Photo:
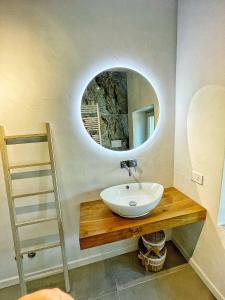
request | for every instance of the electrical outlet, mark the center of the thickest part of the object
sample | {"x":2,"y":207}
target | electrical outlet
{"x":197,"y":177}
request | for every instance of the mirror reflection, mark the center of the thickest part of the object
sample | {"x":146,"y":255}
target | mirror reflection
{"x":120,"y":109}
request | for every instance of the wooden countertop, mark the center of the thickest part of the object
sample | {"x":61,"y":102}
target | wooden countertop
{"x":99,"y":225}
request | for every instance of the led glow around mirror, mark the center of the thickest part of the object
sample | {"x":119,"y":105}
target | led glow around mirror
{"x":119,"y":109}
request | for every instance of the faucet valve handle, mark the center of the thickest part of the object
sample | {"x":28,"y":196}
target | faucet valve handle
{"x":133,"y":163}
{"x":123,"y":164}
{"x":128,"y":163}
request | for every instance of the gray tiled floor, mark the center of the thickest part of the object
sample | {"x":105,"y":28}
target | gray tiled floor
{"x":183,"y":284}
{"x":123,"y":277}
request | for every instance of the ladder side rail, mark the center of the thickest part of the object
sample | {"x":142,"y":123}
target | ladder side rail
{"x":58,"y":207}
{"x":15,"y":232}
{"x":99,"y":125}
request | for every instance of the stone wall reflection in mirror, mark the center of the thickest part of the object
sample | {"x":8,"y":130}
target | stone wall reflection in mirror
{"x":120,"y":109}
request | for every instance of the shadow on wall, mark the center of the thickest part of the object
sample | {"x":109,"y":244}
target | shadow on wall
{"x":190,"y":233}
{"x":206,"y":141}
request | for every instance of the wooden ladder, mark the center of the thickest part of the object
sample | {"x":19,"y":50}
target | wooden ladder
{"x":33,"y":245}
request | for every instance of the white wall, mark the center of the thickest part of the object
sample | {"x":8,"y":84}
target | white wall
{"x":221,"y":214}
{"x":200,"y":129}
{"x":49,"y":50}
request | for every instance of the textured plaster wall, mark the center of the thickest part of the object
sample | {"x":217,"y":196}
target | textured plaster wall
{"x":200,"y":130}
{"x":49,"y":51}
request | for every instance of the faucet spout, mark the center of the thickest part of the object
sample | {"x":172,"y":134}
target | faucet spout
{"x":137,"y":180}
{"x":128,"y":169}
{"x":128,"y":164}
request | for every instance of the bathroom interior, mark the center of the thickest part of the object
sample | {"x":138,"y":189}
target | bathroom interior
{"x":112,"y":137}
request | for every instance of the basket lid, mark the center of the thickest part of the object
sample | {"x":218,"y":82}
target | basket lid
{"x":154,"y":237}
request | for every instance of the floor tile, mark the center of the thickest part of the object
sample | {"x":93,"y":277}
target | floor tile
{"x":10,"y":293}
{"x":181,"y":285}
{"x":174,"y":257}
{"x":111,"y":296}
{"x":128,"y":270}
{"x":184,"y":284}
{"x":92,"y":281}
{"x":47,"y":282}
{"x":145,"y":291}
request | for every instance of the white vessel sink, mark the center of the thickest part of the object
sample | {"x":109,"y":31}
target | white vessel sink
{"x":133,"y":200}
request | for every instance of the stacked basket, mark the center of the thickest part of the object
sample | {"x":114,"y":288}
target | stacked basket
{"x":152,"y":251}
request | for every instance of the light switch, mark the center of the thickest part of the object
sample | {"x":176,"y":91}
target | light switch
{"x":197,"y":177}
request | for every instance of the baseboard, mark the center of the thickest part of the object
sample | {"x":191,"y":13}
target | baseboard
{"x":217,"y":294}
{"x":71,"y":265}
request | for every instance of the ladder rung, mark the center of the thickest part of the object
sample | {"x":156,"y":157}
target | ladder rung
{"x":27,"y":138}
{"x":41,"y":247}
{"x":39,"y":243}
{"x":30,"y":165}
{"x":20,"y":210}
{"x":32,"y":194}
{"x":92,"y":128}
{"x":29,"y":174}
{"x":25,"y":223}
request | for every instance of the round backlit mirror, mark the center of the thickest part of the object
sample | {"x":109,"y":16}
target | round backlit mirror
{"x":120,"y":109}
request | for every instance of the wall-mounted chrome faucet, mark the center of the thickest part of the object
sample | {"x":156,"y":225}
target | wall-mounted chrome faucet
{"x":128,"y":164}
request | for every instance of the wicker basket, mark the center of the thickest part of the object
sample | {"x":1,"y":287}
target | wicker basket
{"x":150,"y":260}
{"x":155,"y":241}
